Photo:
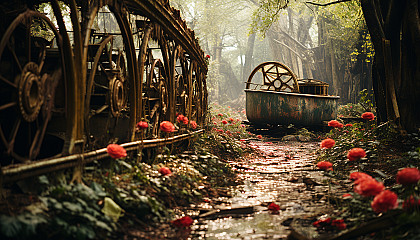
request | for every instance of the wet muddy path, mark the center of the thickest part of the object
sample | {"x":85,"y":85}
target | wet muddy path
{"x":284,"y":173}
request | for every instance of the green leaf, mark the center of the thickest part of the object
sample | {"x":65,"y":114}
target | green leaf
{"x":10,"y":226}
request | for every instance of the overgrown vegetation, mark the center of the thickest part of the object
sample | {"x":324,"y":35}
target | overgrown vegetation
{"x":387,"y":153}
{"x":121,"y":194}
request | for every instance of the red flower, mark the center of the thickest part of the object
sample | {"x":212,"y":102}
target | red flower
{"x":339,"y":223}
{"x":224,"y":122}
{"x":167,"y":126}
{"x":242,"y":140}
{"x":259,"y":136}
{"x":340,"y":125}
{"x":322,"y":222}
{"x":220,"y":115}
{"x":207,"y":56}
{"x":334,"y":123}
{"x":185,"y":120}
{"x":356,"y":176}
{"x":193,"y":124}
{"x":180,"y":118}
{"x":411,"y":203}
{"x":369,"y":187}
{"x":116,"y":151}
{"x":165,"y":171}
{"x":368,"y":116}
{"x":141,"y":125}
{"x":408,"y":176}
{"x":356,"y":154}
{"x":274,"y":208}
{"x":384,"y":201}
{"x":327,"y":143}
{"x":349,"y":125}
{"x":231,"y":119}
{"x":347,"y":195}
{"x":183,"y":222}
{"x":324,"y":165}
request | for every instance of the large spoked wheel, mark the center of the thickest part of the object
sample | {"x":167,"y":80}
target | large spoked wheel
{"x":110,"y":106}
{"x":273,"y":76}
{"x":156,"y":92}
{"x":30,"y":70}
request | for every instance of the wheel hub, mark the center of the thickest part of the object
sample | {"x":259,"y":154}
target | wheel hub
{"x":30,"y":95}
{"x":117,"y":97}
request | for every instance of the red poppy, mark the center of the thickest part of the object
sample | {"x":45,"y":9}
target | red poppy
{"x":193,"y":124}
{"x":369,"y":187}
{"x":324,"y":165}
{"x":339,"y":223}
{"x":384,"y":201}
{"x":207,"y":56}
{"x":167,"y":126}
{"x":183,"y":222}
{"x":368,"y":116}
{"x":116,"y":151}
{"x":359,"y":175}
{"x":231,"y":119}
{"x":327,"y":143}
{"x":259,"y":136}
{"x":185,"y":120}
{"x":180,"y":118}
{"x":408,"y":176}
{"x":274,"y":208}
{"x":334,"y":123}
{"x":356,"y":154}
{"x":141,"y":125}
{"x":220,"y":115}
{"x":349,"y":125}
{"x":165,"y":171}
{"x":322,"y":222}
{"x":224,"y":122}
{"x":411,"y":203}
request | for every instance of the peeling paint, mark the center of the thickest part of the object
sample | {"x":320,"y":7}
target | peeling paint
{"x":269,"y":107}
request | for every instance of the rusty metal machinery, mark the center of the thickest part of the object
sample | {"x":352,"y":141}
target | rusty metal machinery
{"x":77,"y":75}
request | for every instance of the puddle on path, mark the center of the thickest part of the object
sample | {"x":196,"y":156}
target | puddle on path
{"x":285,"y":174}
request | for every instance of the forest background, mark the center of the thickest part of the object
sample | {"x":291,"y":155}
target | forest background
{"x":328,"y":43}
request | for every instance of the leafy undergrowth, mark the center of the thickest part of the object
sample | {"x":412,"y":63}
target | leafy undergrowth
{"x":124,"y":198}
{"x":377,"y":196}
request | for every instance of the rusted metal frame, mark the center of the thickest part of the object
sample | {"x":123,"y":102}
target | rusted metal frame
{"x":158,"y":13}
{"x":121,"y":16}
{"x":141,"y":60}
{"x":70,"y":81}
{"x":190,"y":88}
{"x":79,"y":81}
{"x":91,"y":78}
{"x":163,"y":43}
{"x":18,"y":172}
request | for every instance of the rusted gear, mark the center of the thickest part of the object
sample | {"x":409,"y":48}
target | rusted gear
{"x":30,"y":92}
{"x":117,"y":96}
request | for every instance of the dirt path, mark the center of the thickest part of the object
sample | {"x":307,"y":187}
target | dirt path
{"x":283,"y":173}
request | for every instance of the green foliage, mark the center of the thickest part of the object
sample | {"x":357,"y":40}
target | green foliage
{"x":65,"y":212}
{"x":365,"y":104}
{"x":266,"y":14}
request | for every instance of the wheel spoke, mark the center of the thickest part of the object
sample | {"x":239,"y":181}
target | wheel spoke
{"x":7,"y":81}
{"x":15,"y":57}
{"x":13,"y":135}
{"x":28,"y":38}
{"x":7,"y":105}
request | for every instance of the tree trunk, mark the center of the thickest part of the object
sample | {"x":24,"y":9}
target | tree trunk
{"x":248,"y":57}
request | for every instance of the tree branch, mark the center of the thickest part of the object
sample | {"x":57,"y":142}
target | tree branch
{"x":330,"y":3}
